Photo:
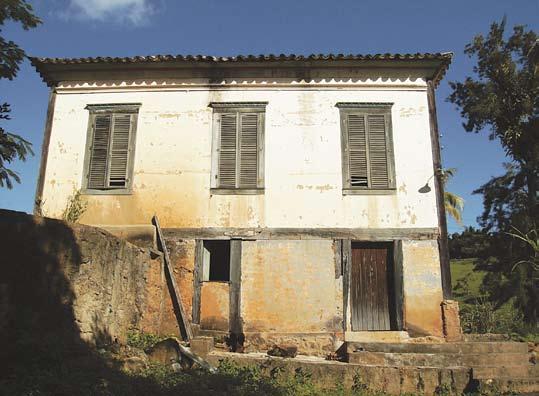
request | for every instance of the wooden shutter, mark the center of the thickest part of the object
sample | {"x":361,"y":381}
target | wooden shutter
{"x":357,"y":151}
{"x":248,"y":150}
{"x":110,"y":151}
{"x":97,"y":174}
{"x":119,"y":154}
{"x":379,"y":175}
{"x":227,"y":151}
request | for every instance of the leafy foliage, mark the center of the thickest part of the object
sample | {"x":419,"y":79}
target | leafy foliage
{"x":470,"y":243}
{"x":12,"y":146}
{"x":532,"y":239}
{"x":504,"y":95}
{"x":503,"y":98}
{"x":11,"y":55}
{"x":483,"y":317}
{"x":142,"y":340}
{"x":453,"y":203}
{"x":76,"y":206}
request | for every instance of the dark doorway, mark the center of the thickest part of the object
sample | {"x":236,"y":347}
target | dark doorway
{"x":217,"y":260}
{"x":372,"y":287}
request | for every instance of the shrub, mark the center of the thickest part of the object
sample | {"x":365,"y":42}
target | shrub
{"x":142,"y":340}
{"x":75,"y":208}
{"x":483,"y":317}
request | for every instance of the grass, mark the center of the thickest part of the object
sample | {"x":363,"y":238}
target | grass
{"x":478,"y":315}
{"x":466,"y":280}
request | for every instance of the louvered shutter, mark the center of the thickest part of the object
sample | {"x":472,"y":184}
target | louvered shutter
{"x":119,"y":153}
{"x":248,"y":150}
{"x":97,"y":174}
{"x":227,"y":150}
{"x":379,"y":175}
{"x":357,"y":151}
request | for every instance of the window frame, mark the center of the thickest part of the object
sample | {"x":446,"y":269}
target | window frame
{"x":105,"y":109}
{"x":206,"y":262}
{"x":237,"y":107}
{"x":366,"y":109}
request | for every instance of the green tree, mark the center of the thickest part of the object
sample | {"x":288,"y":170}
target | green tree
{"x":12,"y":146}
{"x":454,"y":204}
{"x":502,"y":98}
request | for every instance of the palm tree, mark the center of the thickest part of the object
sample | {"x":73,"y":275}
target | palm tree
{"x":453,"y":203}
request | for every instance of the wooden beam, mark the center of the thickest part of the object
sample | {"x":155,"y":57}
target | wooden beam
{"x":439,"y":192}
{"x":347,"y":265}
{"x":173,"y":287}
{"x":197,"y":280}
{"x":38,"y":200}
{"x":398,"y":281}
{"x":236,"y":326}
{"x":357,"y":234}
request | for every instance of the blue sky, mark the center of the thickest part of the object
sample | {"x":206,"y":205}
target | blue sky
{"x":78,"y":28}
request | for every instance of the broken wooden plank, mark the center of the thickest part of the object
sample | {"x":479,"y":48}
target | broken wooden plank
{"x":175,"y":292}
{"x":195,"y":358}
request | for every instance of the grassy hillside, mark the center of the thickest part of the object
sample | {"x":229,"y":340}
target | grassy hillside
{"x":466,"y":280}
{"x":477,"y":314}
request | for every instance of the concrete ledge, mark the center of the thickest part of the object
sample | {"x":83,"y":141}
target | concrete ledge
{"x":142,"y":235}
{"x":376,"y":336}
{"x":392,"y":380}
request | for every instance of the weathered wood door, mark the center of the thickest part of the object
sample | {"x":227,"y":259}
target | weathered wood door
{"x":371,"y":287}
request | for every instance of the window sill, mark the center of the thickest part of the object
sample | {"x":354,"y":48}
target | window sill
{"x":119,"y":191}
{"x":369,"y":191}
{"x":236,"y":191}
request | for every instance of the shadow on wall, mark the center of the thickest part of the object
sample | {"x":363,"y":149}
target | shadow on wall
{"x":41,"y":351}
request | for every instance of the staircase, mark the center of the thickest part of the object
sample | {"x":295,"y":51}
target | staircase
{"x":500,"y":365}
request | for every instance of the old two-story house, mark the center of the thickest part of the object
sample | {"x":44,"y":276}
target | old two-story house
{"x":300,"y":195}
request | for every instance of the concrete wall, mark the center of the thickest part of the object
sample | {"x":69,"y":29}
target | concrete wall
{"x":422,"y":288}
{"x":290,"y":286}
{"x":74,"y":283}
{"x":173,"y":157}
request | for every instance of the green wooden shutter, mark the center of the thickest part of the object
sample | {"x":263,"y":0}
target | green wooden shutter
{"x":378,"y":158}
{"x":248,"y":150}
{"x":99,"y":152}
{"x":119,"y":153}
{"x":227,"y":150}
{"x":357,"y":151}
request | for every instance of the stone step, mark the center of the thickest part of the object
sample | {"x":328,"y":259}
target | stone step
{"x":519,"y":386}
{"x":446,"y":347}
{"x":508,"y":373}
{"x":438,"y":359}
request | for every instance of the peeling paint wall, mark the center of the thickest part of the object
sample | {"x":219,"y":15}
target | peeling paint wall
{"x":173,"y":158}
{"x":214,"y":306}
{"x":422,"y":288}
{"x":287,"y":286}
{"x":290,"y":286}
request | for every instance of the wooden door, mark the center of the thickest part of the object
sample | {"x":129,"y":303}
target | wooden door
{"x":371,"y":287}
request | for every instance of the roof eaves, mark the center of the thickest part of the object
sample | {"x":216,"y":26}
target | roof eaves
{"x":41,"y":64}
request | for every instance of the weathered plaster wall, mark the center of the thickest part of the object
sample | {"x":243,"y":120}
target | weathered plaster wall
{"x":173,"y":157}
{"x":74,"y":282}
{"x":422,"y":288}
{"x":214,"y":306}
{"x":290,"y":286}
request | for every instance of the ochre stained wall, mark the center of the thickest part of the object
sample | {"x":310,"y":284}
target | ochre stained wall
{"x":214,"y":306}
{"x":303,"y":174}
{"x":422,"y":288}
{"x":290,"y":286}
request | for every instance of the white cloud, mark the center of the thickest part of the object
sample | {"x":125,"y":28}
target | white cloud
{"x":136,"y":12}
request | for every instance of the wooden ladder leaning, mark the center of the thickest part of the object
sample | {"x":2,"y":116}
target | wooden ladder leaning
{"x":175,"y":292}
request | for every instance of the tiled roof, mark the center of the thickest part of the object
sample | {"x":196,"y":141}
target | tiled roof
{"x":43,"y":65}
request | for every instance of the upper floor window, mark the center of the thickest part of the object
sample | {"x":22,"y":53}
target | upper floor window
{"x":110,"y":148}
{"x":367,"y":148}
{"x":238,"y":148}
